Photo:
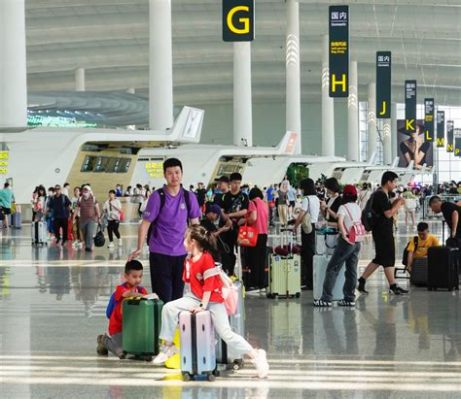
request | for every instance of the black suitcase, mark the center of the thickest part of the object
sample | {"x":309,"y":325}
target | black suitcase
{"x":419,"y":272}
{"x":443,"y":265}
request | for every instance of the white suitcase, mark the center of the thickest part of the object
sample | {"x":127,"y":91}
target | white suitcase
{"x":320,"y":268}
{"x":325,"y":244}
{"x":39,"y":233}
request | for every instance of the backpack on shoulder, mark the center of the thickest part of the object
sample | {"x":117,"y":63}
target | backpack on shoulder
{"x":369,"y":216}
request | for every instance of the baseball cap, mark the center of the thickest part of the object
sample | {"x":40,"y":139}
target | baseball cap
{"x":213,"y":208}
{"x":349,"y":189}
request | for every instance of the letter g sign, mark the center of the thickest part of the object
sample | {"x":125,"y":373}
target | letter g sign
{"x":238,"y":20}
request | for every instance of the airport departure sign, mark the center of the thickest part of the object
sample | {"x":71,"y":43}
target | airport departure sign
{"x":383,"y":84}
{"x":458,"y":143}
{"x":450,"y":135}
{"x":410,"y":106}
{"x":440,"y":140}
{"x":238,"y":18}
{"x":429,"y":119}
{"x":339,"y":51}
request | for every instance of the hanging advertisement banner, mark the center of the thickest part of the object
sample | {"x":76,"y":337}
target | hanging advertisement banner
{"x":238,"y":18}
{"x":410,"y":106}
{"x":383,"y":84}
{"x":429,"y":119}
{"x":412,"y":147}
{"x":440,"y":138}
{"x":450,"y":135}
{"x":339,"y":50}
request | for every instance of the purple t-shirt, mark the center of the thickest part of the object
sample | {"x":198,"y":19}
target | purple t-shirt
{"x":170,"y":224}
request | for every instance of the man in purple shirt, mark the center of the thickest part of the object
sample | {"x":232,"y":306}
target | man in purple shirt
{"x":167,"y":213}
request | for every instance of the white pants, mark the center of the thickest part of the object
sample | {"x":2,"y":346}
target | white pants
{"x":170,"y":319}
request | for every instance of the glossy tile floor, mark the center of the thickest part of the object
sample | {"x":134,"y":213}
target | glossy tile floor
{"x":52,"y":303}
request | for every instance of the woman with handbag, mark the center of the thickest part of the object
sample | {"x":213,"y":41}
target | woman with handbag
{"x":112,"y":209}
{"x":347,"y":251}
{"x":258,"y":217}
{"x":308,"y":217}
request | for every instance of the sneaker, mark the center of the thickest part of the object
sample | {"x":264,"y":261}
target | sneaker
{"x":396,"y":290}
{"x":101,"y":349}
{"x":345,"y":303}
{"x":260,"y":362}
{"x":361,"y":286}
{"x":111,"y":245}
{"x":165,"y":353}
{"x":320,"y":303}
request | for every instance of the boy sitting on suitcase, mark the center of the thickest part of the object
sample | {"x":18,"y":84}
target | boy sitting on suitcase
{"x":205,"y":294}
{"x":112,"y":340}
{"x":419,"y":245}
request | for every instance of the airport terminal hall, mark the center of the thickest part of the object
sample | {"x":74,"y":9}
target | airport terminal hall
{"x":230,"y":199}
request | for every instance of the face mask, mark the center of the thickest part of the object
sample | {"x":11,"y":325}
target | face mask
{"x":86,"y":195}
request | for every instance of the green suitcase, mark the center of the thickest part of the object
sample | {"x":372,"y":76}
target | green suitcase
{"x":141,"y":326}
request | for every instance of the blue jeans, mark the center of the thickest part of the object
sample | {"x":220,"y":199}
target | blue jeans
{"x":344,"y":252}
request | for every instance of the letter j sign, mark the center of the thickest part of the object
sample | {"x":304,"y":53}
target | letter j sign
{"x":238,"y":20}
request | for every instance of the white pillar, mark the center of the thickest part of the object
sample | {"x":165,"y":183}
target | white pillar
{"x":353,"y":132}
{"x":243,"y":115}
{"x":293,"y":73}
{"x":13,"y":72}
{"x":372,"y":133}
{"x":394,"y":132}
{"x":160,"y":65}
{"x":328,"y":116}
{"x":387,"y":142}
{"x":80,"y":79}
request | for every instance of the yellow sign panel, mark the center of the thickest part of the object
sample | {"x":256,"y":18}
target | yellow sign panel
{"x":154,"y":169}
{"x":4,"y":155}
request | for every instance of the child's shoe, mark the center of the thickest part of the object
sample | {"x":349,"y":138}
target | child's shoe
{"x":260,"y":362}
{"x":101,"y":349}
{"x":165,"y":353}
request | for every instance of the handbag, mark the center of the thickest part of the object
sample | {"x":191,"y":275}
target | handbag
{"x":357,"y":231}
{"x":122,"y":216}
{"x":99,"y":239}
{"x":247,"y":236}
{"x":306,"y":224}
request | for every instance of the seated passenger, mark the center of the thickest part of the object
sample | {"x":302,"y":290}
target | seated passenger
{"x":418,"y":246}
{"x":112,"y":340}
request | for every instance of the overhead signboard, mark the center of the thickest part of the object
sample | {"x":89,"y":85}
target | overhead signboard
{"x":440,"y":138}
{"x":410,"y":107}
{"x":383,"y":84}
{"x":429,"y":119}
{"x":339,"y":51}
{"x":4,"y":158}
{"x":457,"y":151}
{"x":238,"y":17}
{"x":450,"y":135}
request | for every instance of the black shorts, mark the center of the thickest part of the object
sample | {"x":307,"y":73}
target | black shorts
{"x":384,"y":247}
{"x":6,"y":211}
{"x":292,"y":204}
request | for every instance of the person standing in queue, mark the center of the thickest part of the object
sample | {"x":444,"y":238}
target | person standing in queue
{"x":383,"y":234}
{"x":164,"y":223}
{"x":234,"y":205}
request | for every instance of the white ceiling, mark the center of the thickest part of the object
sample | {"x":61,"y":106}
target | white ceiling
{"x":109,"y":38}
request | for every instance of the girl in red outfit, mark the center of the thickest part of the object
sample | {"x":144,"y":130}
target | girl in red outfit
{"x":204,"y":294}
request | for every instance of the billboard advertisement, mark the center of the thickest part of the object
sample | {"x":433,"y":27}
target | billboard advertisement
{"x":413,"y":147}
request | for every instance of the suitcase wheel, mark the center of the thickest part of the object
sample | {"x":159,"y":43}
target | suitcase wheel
{"x":271,"y":296}
{"x":238,"y":364}
{"x":211,"y":377}
{"x":298,"y":294}
{"x":186,"y":377}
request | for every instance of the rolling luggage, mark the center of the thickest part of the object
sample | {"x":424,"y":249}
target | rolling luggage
{"x":443,"y":268}
{"x":16,"y":220}
{"x":198,"y":346}
{"x":141,"y":326}
{"x":418,"y":276}
{"x":320,"y":268}
{"x":39,"y":233}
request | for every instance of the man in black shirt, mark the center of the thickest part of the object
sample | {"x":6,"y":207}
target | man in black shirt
{"x":383,"y":234}
{"x":201,"y":194}
{"x":59,"y":206}
{"x":451,"y":213}
{"x":234,"y":205}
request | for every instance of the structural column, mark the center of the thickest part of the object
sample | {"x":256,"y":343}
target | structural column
{"x":353,"y":133}
{"x":13,"y":73}
{"x":372,"y":132}
{"x":387,"y":142}
{"x":80,"y":79}
{"x":328,"y":117}
{"x":160,"y":65}
{"x":243,"y":115}
{"x":293,"y":73}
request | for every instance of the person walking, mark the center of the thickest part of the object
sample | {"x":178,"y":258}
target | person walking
{"x":59,"y":206}
{"x":383,"y":234}
{"x":6,"y":202}
{"x":164,"y":223}
{"x":89,"y":214}
{"x":111,"y":209}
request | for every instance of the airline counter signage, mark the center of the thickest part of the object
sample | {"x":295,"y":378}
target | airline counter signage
{"x":429,"y":119}
{"x":4,"y":158}
{"x":238,"y":20}
{"x":440,"y":140}
{"x":383,"y":84}
{"x":458,"y":144}
{"x":339,"y":51}
{"x":410,"y":106}
{"x":450,"y":135}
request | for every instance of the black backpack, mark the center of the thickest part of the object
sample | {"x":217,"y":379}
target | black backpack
{"x":162,"y":203}
{"x":369,"y":216}
{"x":405,"y":251}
